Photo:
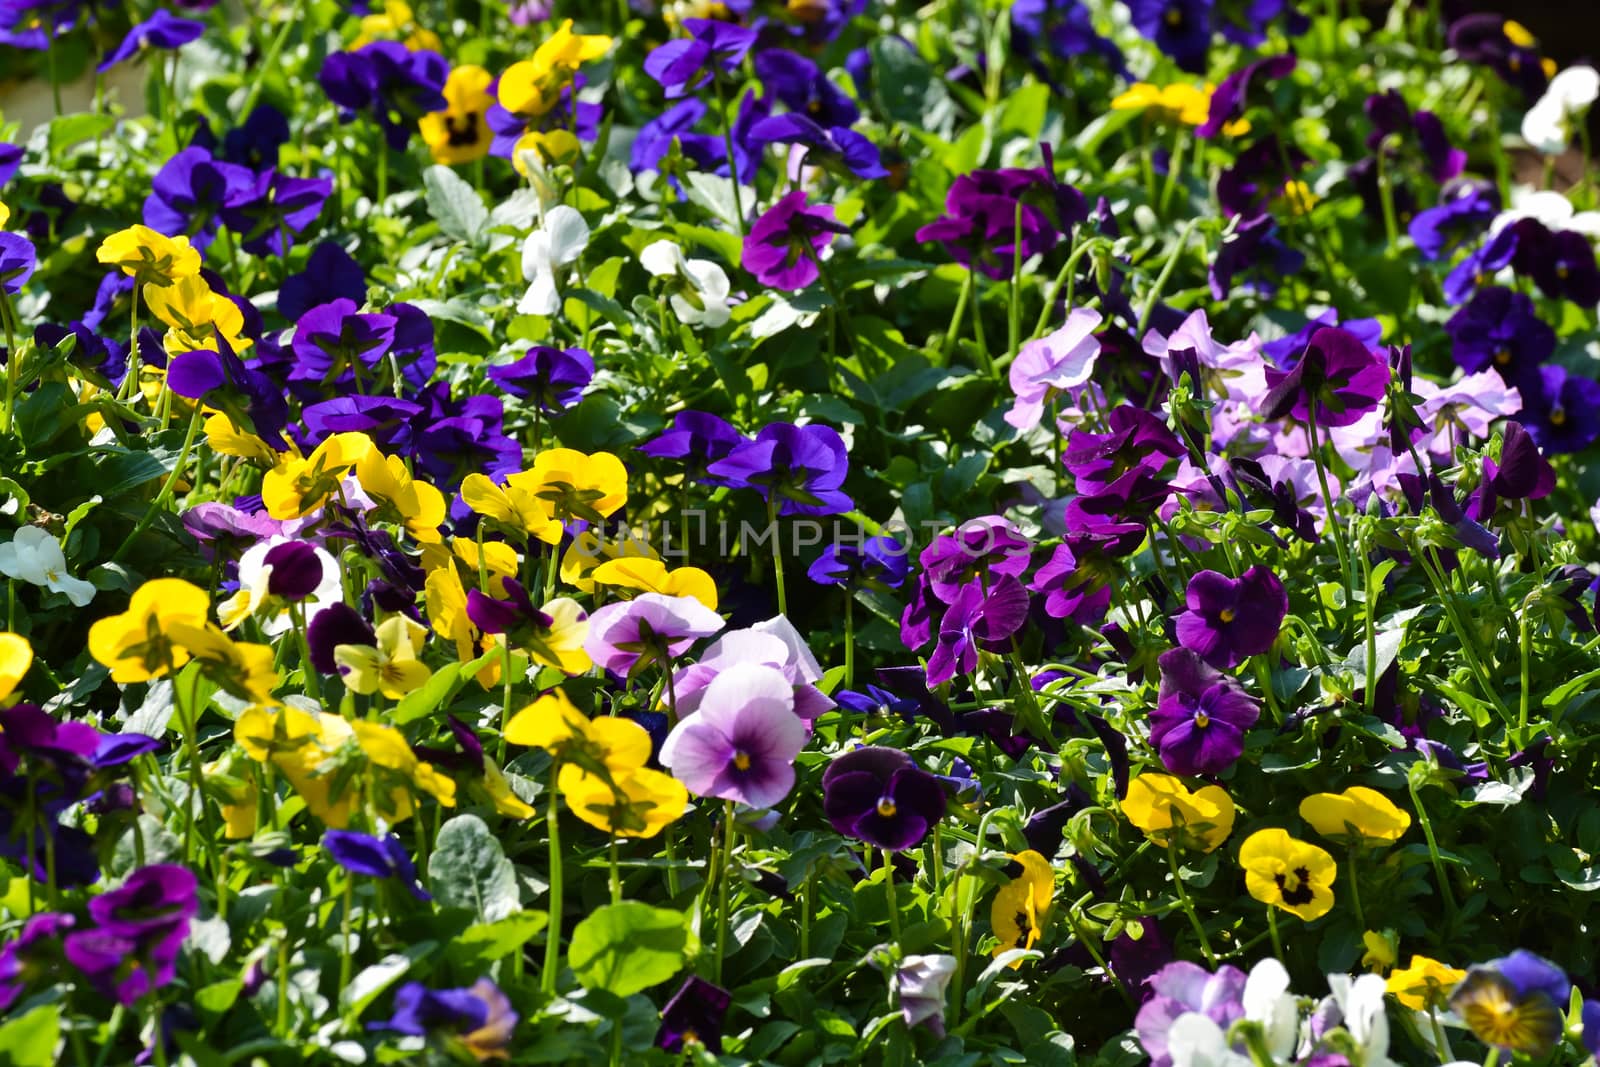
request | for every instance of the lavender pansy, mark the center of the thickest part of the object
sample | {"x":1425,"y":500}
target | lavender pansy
{"x":740,"y":744}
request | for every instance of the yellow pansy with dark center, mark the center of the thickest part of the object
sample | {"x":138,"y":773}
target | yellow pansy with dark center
{"x":1286,"y":873}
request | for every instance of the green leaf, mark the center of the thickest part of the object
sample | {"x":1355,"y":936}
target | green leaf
{"x":365,"y":987}
{"x":30,"y":1040}
{"x":218,"y":997}
{"x":432,"y":695}
{"x":469,"y":869}
{"x":454,"y":204}
{"x":13,"y":498}
{"x":487,"y":942}
{"x":627,"y":948}
{"x":69,"y":130}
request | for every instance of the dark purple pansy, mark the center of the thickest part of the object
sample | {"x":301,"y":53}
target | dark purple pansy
{"x":278,"y":208}
{"x":1180,"y":28}
{"x":26,"y":956}
{"x":1561,"y":263}
{"x":1561,"y":409}
{"x":333,"y":338}
{"x":18,"y":260}
{"x":139,"y":930}
{"x":801,"y":86}
{"x":1521,"y":472}
{"x":880,"y":797}
{"x":976,"y":618}
{"x":1464,"y":211}
{"x":1201,"y":716}
{"x":1232,"y":619}
{"x":330,"y":274}
{"x":1499,"y":328}
{"x":694,"y":1015}
{"x":837,"y":149}
{"x":553,"y":378}
{"x":394,"y":83}
{"x":1232,"y":98}
{"x":1253,"y":256}
{"x":191,"y":191}
{"x":335,"y":625}
{"x":1337,"y":372}
{"x":375,"y":857}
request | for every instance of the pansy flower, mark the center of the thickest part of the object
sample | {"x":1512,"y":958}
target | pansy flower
{"x":694,"y":1016}
{"x":1172,"y":816}
{"x":375,"y":857}
{"x":478,"y":1020}
{"x":460,"y":132}
{"x":137,"y":644}
{"x":1231,"y":619}
{"x":1514,"y":1003}
{"x":741,"y":741}
{"x":397,"y":85}
{"x":784,"y":246}
{"x":712,"y":48}
{"x":880,"y":797}
{"x":1424,"y":984}
{"x":1286,"y":873}
{"x":798,"y":468}
{"x":1201,"y":716}
{"x":1022,"y":905}
{"x":1357,"y":815}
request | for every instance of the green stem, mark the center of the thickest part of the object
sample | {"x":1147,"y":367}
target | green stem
{"x":1433,"y":849}
{"x":615,"y":873}
{"x":165,"y":495}
{"x":269,"y":61}
{"x":1272,"y":927}
{"x":1014,"y":311}
{"x":1524,"y":644}
{"x":552,"y":945}
{"x":954,"y":330}
{"x":1188,"y":906}
{"x":344,"y":929}
{"x":890,"y":897}
{"x":733,"y":168}
{"x":1154,"y":296}
{"x":850,"y":639}
{"x":1355,"y":886}
{"x":777,"y":554}
{"x":1327,"y":499}
{"x":1369,"y":598}
{"x":722,"y":888}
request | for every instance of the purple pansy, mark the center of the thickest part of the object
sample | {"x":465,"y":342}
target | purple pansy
{"x":479,"y":1016}
{"x":800,"y":466}
{"x":1201,"y":716}
{"x":741,"y":742}
{"x":1500,"y":328}
{"x":877,"y":561}
{"x":630,"y":635}
{"x":694,"y":1014}
{"x":1182,"y":987}
{"x":1337,"y":372}
{"x":880,"y":797}
{"x":686,"y":64}
{"x":553,"y":378}
{"x":375,"y":857}
{"x":161,"y":30}
{"x":1232,"y":97}
{"x":394,"y":83}
{"x":785,"y":244}
{"x":1231,"y":619}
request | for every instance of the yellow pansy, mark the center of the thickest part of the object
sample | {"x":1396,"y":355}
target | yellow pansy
{"x":1284,"y":872}
{"x":149,"y":256}
{"x":397,"y":22}
{"x":460,"y":133}
{"x":195,"y":316}
{"x":1298,"y":195}
{"x":227,"y":439}
{"x":16,"y":656}
{"x":268,"y":733}
{"x":608,"y":744}
{"x":240,"y":669}
{"x":645,"y":575}
{"x":560,"y":644}
{"x":233,"y":782}
{"x":391,"y":667}
{"x":401,"y":498}
{"x":447,"y":612}
{"x":1179,"y":102}
{"x":494,"y":788}
{"x":499,"y":562}
{"x":588,"y":551}
{"x":639,"y":804}
{"x":533,"y":86}
{"x":297,"y":486}
{"x":386,"y":747}
{"x":1168,"y":813}
{"x":1021,"y":905}
{"x":5,"y":215}
{"x":137,"y":645}
{"x":552,"y":147}
{"x":516,"y":507}
{"x":1382,"y":950}
{"x":1358,"y":815}
{"x":1424,"y":983}
{"x":575,"y":485}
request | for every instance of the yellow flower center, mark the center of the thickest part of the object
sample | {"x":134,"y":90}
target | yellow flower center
{"x":1227,"y":614}
{"x":741,"y":760}
{"x":1502,"y":356}
{"x":1202,"y":720}
{"x":886,"y":807}
{"x":1558,"y":416}
{"x":1174,"y":17}
{"x":1518,"y":34}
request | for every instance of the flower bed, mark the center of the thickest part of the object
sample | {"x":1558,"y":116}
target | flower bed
{"x":827,"y":533}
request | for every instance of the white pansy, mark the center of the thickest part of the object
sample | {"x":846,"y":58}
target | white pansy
{"x":255,"y":599}
{"x":921,"y":983}
{"x":554,"y":245}
{"x":1549,"y":124}
{"x":34,"y":556}
{"x":1195,"y":1041}
{"x":700,"y":297}
{"x":1549,"y":207}
{"x":1365,"y":1019}
{"x":1267,"y":1001}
